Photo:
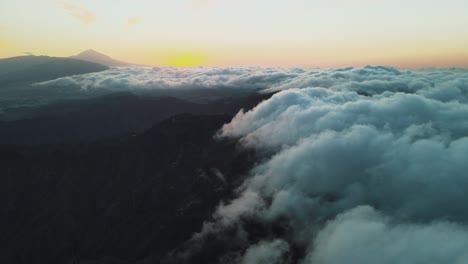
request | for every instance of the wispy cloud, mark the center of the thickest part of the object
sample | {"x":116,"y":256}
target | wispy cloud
{"x":133,"y":20}
{"x":83,"y":14}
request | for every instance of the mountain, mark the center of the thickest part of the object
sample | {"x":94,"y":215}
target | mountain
{"x":18,"y":74}
{"x":108,"y":116}
{"x":31,"y":69}
{"x":128,"y":200}
{"x":97,"y":57}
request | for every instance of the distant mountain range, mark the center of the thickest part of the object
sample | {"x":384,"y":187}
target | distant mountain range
{"x":30,"y":69}
{"x":99,"y":58}
{"x":18,"y":74}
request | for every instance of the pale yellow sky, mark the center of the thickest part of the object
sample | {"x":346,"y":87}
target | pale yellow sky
{"x":322,"y":33}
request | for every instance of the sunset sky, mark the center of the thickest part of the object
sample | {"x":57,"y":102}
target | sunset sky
{"x":324,"y":33}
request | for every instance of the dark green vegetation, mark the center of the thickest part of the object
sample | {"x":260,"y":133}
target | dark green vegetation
{"x":106,"y":177}
{"x":125,"y":200}
{"x":117,"y":179}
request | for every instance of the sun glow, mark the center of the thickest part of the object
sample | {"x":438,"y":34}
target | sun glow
{"x":3,"y":44}
{"x":185,"y":60}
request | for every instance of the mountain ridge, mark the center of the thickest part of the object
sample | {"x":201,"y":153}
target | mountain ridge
{"x":100,"y":58}
{"x":30,"y":69}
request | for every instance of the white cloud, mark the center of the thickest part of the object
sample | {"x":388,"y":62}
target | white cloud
{"x":393,"y":140}
{"x":146,"y":78}
{"x":337,"y":140}
{"x":266,"y":252}
{"x":364,"y":236}
{"x":440,"y":84}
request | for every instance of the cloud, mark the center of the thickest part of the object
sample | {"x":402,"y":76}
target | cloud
{"x":133,"y":20}
{"x":164,"y":78}
{"x":365,"y":236}
{"x":83,"y":14}
{"x":339,"y":142}
{"x":440,"y":84}
{"x":374,"y":153}
{"x":266,"y":252}
{"x":196,"y":84}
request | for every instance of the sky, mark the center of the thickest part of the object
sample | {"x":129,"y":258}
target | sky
{"x":319,"y":33}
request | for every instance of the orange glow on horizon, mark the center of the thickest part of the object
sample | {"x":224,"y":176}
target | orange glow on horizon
{"x":186,"y":60}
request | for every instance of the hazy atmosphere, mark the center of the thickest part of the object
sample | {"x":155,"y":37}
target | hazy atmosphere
{"x":226,"y":32}
{"x":233,"y":132}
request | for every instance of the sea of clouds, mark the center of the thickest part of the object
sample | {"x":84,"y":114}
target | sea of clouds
{"x":365,"y":165}
{"x":441,"y":84}
{"x":167,"y":78}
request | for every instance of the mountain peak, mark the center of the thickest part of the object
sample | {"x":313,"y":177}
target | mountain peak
{"x":92,"y":52}
{"x":100,"y":58}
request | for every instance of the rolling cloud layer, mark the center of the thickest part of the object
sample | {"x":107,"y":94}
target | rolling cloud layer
{"x":164,"y":78}
{"x":365,"y":165}
{"x":361,"y":165}
{"x":440,"y":84}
